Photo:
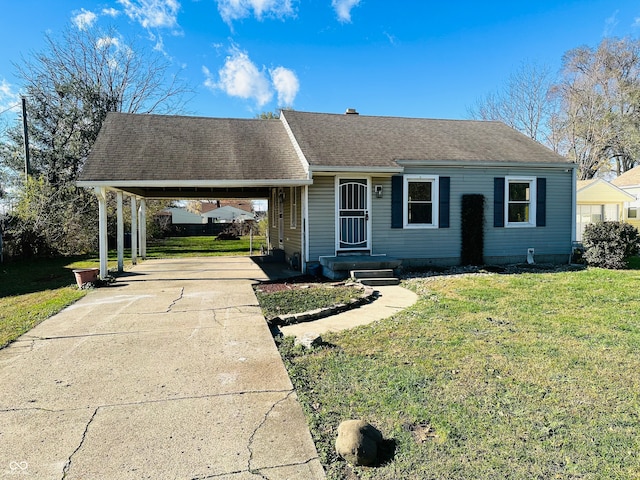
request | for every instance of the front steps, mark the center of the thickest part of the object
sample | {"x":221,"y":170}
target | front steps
{"x":375,"y":278}
{"x":339,"y":267}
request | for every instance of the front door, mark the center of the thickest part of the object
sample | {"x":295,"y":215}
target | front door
{"x":352,"y":215}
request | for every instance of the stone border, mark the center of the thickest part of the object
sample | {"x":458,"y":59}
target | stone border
{"x":368,"y":295}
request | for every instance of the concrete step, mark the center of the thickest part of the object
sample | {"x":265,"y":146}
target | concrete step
{"x":378,"y":273}
{"x":379,"y":282}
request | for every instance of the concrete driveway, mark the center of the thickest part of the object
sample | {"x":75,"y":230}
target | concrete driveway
{"x":169,"y":373}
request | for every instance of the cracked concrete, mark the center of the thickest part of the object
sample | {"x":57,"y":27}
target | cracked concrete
{"x":165,"y":375}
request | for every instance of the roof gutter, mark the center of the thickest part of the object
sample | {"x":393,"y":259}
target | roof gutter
{"x":323,"y":169}
{"x":194,"y":183}
{"x":484,"y":164}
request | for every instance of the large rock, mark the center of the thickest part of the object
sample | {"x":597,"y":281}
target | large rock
{"x":358,"y":442}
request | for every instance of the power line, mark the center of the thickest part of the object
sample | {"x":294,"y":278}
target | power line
{"x":10,"y":108}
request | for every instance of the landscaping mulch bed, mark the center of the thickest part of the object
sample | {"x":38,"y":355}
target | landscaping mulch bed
{"x":294,"y":283}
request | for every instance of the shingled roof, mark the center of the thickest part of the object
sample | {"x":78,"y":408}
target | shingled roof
{"x":334,"y":141}
{"x":628,"y":178}
{"x":158,"y":155}
{"x":171,"y":148}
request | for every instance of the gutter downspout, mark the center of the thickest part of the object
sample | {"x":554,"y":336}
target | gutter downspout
{"x":574,"y":195}
{"x":305,"y":229}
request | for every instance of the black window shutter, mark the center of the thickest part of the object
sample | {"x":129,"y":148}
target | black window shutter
{"x":498,"y":202}
{"x":541,"y":202}
{"x":397,"y":183}
{"x":444,"y":207}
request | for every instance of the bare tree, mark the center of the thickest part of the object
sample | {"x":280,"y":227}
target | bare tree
{"x":599,"y":91}
{"x":70,"y":87}
{"x":524,"y":103}
{"x":76,"y":80}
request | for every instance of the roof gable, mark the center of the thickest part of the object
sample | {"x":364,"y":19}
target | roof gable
{"x":600,"y":191}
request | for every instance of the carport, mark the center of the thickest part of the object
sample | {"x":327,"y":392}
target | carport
{"x":143,"y":157}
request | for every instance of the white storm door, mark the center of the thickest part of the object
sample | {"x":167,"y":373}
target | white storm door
{"x":352,"y":229}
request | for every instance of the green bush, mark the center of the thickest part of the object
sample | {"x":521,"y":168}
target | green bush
{"x":609,"y":244}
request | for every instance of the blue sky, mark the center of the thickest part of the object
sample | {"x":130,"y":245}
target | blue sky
{"x":416,"y":58}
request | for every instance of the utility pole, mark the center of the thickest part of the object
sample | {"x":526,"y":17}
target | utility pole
{"x":25,"y":132}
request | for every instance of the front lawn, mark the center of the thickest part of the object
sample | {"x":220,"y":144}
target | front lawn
{"x":488,"y":376}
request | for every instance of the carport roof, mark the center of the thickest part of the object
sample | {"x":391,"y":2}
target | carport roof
{"x":180,"y":156}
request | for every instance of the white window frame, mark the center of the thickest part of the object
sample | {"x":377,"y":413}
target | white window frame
{"x":532,"y":202}
{"x":293,"y":205}
{"x":435,"y":199}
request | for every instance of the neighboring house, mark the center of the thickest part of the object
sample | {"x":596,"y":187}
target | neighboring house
{"x":629,"y":181}
{"x":599,"y":201}
{"x":182,"y":216}
{"x":227,"y":214}
{"x":344,"y":189}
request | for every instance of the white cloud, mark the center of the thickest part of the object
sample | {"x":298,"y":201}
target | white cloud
{"x":84,"y":19}
{"x":110,"y":12}
{"x":343,"y":9}
{"x":240,"y":77}
{"x":152,"y":13}
{"x":107,"y":42}
{"x":236,"y":9}
{"x":286,"y":84}
{"x":610,"y":24}
{"x":8,"y":98}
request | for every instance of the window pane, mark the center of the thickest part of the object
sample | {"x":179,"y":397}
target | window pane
{"x":518,"y":212}
{"x":420,"y":191}
{"x":420,"y":213}
{"x":519,"y":192}
{"x":633,"y":212}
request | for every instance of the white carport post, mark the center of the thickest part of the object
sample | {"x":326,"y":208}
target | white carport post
{"x":142,"y":226}
{"x":101,"y":193}
{"x":120,"y":233}
{"x":134,"y":231}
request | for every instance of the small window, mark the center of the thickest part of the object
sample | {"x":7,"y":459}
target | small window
{"x":520,"y":202}
{"x":632,"y":212}
{"x":420,"y":201}
{"x":293,"y":198}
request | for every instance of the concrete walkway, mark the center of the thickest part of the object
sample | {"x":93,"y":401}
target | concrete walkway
{"x":391,"y":299}
{"x":171,"y":373}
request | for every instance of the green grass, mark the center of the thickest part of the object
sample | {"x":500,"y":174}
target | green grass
{"x":33,"y":290}
{"x":202,"y":247}
{"x":303,"y":300}
{"x":492,"y":376}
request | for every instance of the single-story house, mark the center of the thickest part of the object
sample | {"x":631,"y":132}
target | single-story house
{"x":227,"y":214}
{"x":599,"y":201}
{"x":629,"y":181}
{"x":182,"y":216}
{"x":347,"y":185}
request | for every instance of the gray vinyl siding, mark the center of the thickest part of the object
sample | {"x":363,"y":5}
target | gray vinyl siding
{"x":292,"y":238}
{"x":322,"y":223}
{"x":442,"y":245}
{"x":292,"y":235}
